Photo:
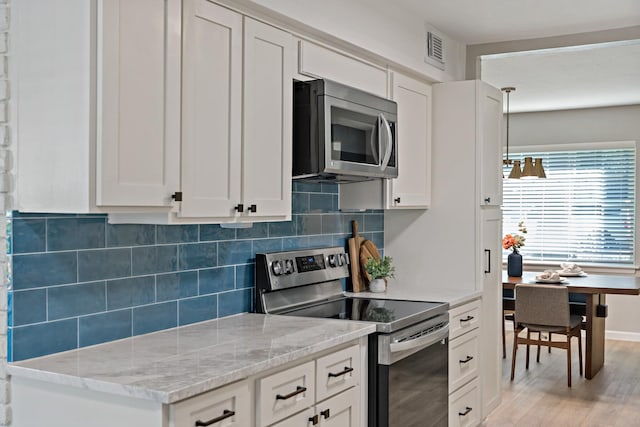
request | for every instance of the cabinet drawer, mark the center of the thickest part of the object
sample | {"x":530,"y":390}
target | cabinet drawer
{"x":285,"y":393}
{"x":463,"y":359}
{"x":337,"y":372}
{"x":464,"y":406}
{"x":464,"y":318}
{"x":230,"y":405}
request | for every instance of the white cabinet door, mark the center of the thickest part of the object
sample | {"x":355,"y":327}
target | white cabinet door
{"x":412,"y":188}
{"x":489,"y":137}
{"x":98,"y":104}
{"x":211,"y":110}
{"x":138,"y":121}
{"x":342,"y":410}
{"x":267,"y":120}
{"x":491,"y":323}
{"x":229,"y":406}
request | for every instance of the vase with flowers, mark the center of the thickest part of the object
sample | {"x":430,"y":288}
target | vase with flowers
{"x":515,"y":242}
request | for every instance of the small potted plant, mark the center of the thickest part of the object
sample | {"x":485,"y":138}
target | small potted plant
{"x":379,"y":270}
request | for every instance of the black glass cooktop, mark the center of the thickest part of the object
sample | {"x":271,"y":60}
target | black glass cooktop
{"x":393,"y":314}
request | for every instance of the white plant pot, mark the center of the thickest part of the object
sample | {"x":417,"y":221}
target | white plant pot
{"x":377,"y":285}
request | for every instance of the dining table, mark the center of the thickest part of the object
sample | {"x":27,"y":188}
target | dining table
{"x":595,"y":287}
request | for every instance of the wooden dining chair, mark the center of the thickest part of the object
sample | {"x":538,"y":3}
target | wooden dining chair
{"x":545,"y":308}
{"x":508,"y":310}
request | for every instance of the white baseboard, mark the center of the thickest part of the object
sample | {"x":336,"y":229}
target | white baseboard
{"x":610,"y":335}
{"x":622,"y":336}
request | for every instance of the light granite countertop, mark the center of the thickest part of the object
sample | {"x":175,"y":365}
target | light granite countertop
{"x":454,"y":297}
{"x":175,"y":364}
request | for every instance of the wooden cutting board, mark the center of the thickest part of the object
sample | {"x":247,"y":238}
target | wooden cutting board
{"x":354,"y":242}
{"x":368,"y":249}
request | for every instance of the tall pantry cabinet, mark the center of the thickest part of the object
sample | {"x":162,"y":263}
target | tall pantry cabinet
{"x":455,"y":244}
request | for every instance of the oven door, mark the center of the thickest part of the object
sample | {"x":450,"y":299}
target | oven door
{"x":358,"y":140}
{"x":412,"y":386}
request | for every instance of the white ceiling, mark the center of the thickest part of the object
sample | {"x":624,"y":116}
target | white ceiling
{"x":488,"y":21}
{"x":567,"y":78}
{"x":552,"y":79}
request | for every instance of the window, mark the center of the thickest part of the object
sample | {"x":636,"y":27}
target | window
{"x":584,"y":211}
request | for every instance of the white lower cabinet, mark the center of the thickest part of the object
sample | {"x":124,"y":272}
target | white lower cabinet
{"x":321,"y":392}
{"x":464,"y":405}
{"x":342,"y":410}
{"x":464,"y":351}
{"x":285,"y":393}
{"x":229,"y":406}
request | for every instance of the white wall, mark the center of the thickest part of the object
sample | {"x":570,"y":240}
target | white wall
{"x":574,"y":126}
{"x":378,"y":26}
{"x":588,"y":125}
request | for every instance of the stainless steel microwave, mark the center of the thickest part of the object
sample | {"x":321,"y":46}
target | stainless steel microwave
{"x":342,"y":134}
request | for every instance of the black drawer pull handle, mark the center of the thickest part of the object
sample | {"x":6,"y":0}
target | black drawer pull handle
{"x":225,"y":414}
{"x":339,"y":374}
{"x":253,"y":208}
{"x":299,"y":390}
{"x":314,"y":420}
{"x":467,"y":360}
{"x":467,"y":319}
{"x":325,"y":413}
{"x":466,"y":411}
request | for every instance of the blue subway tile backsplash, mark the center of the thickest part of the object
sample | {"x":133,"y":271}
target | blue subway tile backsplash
{"x":78,"y":280}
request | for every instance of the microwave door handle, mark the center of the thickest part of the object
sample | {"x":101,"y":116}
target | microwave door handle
{"x":389,"y":143}
{"x":372,"y":142}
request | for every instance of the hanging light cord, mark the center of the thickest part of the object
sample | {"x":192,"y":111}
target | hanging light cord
{"x":508,"y":91}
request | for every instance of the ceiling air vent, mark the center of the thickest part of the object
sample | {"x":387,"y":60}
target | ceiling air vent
{"x":435,"y":50}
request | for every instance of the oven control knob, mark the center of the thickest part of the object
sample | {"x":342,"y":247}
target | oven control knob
{"x":333,"y":261}
{"x":288,"y":266}
{"x":340,"y":260}
{"x":276,"y":267}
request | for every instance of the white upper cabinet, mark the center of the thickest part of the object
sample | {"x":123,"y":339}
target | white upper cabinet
{"x":320,"y":62}
{"x":267,"y":128}
{"x":154,"y":111}
{"x":489,"y":136}
{"x":211,"y":110}
{"x":97,"y":104}
{"x":412,"y":188}
{"x":236,"y":117}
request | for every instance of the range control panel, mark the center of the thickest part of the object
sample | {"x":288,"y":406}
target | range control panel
{"x":279,"y":270}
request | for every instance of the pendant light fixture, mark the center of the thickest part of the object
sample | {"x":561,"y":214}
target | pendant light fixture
{"x":530,"y":169}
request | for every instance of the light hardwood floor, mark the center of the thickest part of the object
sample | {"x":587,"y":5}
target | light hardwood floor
{"x":540,"y":396}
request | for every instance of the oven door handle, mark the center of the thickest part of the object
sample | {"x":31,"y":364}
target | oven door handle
{"x":423,"y":341}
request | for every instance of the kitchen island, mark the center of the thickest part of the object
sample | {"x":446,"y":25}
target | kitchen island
{"x":135,"y":381}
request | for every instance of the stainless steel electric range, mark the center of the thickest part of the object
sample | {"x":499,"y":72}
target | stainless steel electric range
{"x":408,"y":354}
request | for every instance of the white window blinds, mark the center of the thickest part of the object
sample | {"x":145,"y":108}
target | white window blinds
{"x":584,"y":211}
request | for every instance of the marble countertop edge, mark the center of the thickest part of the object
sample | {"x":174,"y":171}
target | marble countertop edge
{"x":211,"y":380}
